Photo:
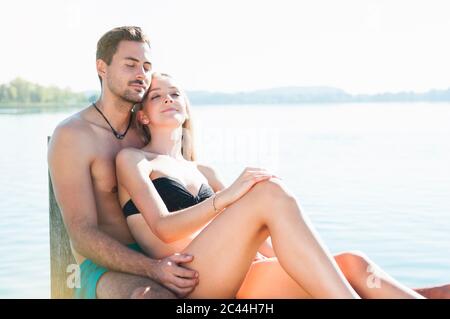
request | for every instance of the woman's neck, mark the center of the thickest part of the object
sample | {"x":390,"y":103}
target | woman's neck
{"x":165,"y":141}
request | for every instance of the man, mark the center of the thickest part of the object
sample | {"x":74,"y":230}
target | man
{"x":81,"y":160}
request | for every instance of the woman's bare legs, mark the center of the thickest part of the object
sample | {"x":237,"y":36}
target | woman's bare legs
{"x":369,"y":280}
{"x":224,"y":250}
{"x":267,"y":279}
{"x":435,"y":292}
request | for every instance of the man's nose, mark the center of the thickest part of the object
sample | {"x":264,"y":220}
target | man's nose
{"x":141,"y":74}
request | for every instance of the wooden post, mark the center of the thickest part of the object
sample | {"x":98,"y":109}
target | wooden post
{"x":60,"y":251}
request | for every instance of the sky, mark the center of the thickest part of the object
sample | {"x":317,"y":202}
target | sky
{"x":361,"y":46}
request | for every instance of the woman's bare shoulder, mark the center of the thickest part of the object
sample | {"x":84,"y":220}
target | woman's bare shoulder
{"x":131,"y":157}
{"x":130,"y":154}
{"x":212,"y":176}
{"x":205,"y":169}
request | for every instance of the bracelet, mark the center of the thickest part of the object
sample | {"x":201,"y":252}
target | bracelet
{"x":214,"y":205}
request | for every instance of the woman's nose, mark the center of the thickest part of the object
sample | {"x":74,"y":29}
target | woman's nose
{"x":168,"y":100}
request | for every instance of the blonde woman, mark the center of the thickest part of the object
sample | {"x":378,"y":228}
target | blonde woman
{"x":173,"y":204}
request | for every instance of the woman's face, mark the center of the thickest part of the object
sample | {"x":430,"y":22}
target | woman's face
{"x":165,"y":104}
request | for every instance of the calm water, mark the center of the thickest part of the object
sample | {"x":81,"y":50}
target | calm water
{"x":372,"y":177}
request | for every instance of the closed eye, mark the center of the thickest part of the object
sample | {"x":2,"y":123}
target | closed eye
{"x":154,"y":97}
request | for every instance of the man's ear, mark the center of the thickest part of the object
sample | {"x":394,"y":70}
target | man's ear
{"x":101,"y":68}
{"x":142,"y":118}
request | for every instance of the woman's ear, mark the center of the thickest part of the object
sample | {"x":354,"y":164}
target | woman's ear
{"x":142,"y":118}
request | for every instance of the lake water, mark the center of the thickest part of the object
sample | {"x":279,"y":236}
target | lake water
{"x":372,"y":177}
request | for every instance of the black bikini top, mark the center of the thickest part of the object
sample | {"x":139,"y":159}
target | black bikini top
{"x":174,"y":195}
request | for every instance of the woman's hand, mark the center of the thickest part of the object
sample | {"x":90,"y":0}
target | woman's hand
{"x":249,"y":177}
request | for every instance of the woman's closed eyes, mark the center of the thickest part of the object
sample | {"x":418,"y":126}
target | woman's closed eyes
{"x":175,"y":94}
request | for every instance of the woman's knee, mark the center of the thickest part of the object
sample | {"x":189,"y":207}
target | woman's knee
{"x":272,"y":191}
{"x":352,"y":261}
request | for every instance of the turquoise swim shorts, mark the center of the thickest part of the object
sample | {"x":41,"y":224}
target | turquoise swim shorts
{"x":90,"y":275}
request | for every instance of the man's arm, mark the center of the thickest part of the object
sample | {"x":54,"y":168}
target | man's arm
{"x":69,"y":162}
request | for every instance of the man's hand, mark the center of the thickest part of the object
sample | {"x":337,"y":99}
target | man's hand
{"x":180,"y":280}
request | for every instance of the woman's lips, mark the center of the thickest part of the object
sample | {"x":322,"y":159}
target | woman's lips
{"x":169,"y":109}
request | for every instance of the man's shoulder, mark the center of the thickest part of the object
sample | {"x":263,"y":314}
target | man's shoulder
{"x":74,"y":127}
{"x":75,"y":131}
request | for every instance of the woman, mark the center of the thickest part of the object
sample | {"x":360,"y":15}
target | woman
{"x":173,"y":204}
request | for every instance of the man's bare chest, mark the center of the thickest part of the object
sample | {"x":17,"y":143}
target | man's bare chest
{"x":103,"y":168}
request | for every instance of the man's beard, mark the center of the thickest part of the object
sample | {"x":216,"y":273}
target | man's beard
{"x":128,"y":95}
{"x":131,"y":96}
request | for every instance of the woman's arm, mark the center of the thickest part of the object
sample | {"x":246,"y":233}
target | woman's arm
{"x":133,"y":171}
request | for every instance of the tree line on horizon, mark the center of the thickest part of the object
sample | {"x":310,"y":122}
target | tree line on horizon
{"x":21,"y":93}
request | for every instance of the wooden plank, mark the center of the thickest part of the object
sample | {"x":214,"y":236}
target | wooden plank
{"x":60,"y":252}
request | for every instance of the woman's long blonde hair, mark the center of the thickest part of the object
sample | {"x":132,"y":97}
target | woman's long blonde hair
{"x":187,"y":137}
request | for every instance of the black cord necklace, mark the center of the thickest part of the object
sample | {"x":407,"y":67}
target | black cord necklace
{"x":116,"y":134}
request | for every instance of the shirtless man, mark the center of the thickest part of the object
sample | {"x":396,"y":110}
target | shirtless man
{"x":81,"y":160}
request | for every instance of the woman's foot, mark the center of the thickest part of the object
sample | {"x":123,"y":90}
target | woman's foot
{"x":436,"y":292}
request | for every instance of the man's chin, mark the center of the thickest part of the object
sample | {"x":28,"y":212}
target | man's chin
{"x":133,"y":97}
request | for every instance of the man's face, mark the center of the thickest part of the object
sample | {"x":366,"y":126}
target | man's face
{"x":129,"y":73}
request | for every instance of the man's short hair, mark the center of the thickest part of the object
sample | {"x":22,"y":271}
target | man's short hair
{"x":108,"y":43}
